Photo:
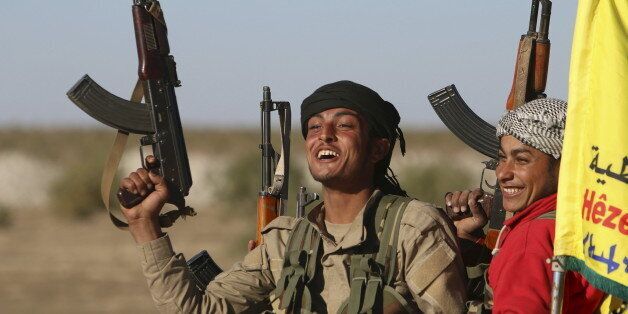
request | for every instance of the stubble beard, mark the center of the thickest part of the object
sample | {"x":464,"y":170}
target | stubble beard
{"x":321,"y":178}
{"x":339,"y":180}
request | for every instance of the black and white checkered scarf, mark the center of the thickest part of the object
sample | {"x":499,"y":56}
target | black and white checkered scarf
{"x":539,"y":123}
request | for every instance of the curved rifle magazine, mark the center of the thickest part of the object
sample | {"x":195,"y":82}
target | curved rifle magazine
{"x":463,"y":122}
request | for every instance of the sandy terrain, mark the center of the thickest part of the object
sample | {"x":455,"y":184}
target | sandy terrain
{"x":51,"y":264}
{"x":56,"y":266}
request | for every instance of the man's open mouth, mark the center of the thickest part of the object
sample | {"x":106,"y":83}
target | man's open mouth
{"x":326,"y":154}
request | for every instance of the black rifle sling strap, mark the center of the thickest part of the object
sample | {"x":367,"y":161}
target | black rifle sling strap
{"x":112,"y":163}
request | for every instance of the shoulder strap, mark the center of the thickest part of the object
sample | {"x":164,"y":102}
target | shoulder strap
{"x":370,"y":273}
{"x":387,"y":254}
{"x":548,"y":215}
{"x":299,"y":266}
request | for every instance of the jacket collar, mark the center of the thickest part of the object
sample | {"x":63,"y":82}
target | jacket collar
{"x":536,"y":209}
{"x":357,"y":233}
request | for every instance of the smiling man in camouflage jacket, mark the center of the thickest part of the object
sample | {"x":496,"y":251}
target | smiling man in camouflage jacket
{"x":367,"y":247}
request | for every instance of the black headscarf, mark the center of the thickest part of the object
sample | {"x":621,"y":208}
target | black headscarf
{"x":382,"y":118}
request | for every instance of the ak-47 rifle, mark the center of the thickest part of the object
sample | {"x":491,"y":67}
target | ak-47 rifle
{"x":157,"y":119}
{"x":274,"y":190}
{"x":275,"y":168}
{"x":528,"y":84}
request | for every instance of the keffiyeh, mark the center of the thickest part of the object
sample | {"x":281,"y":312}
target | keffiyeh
{"x":539,"y":123}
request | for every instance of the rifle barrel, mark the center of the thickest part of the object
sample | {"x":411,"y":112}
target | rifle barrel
{"x":545,"y":21}
{"x":267,"y":150}
{"x":534,"y":14}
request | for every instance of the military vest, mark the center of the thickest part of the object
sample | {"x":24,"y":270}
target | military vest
{"x":371,"y":275}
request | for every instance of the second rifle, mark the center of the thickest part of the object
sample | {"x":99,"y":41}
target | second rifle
{"x":273,"y":193}
{"x":529,"y":82}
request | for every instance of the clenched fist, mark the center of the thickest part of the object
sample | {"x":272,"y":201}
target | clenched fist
{"x":143,"y":218}
{"x":465,"y":201}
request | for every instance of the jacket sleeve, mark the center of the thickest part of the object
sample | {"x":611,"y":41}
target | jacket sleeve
{"x":432,"y":265}
{"x":243,"y":288}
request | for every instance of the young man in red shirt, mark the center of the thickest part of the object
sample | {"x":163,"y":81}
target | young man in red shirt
{"x":519,"y":276}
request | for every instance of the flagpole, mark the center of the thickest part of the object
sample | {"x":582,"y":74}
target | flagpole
{"x":558,"y":285}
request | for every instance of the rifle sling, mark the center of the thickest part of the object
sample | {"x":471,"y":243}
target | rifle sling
{"x":279,"y":184}
{"x":109,"y":172}
{"x":112,"y":163}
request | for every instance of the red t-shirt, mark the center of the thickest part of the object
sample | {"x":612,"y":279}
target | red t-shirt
{"x":519,"y":275}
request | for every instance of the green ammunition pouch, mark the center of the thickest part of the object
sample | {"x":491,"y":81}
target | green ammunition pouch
{"x":371,"y":275}
{"x":299,"y":267}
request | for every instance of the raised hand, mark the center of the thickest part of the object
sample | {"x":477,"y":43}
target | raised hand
{"x":143,"y":218}
{"x":474,"y":206}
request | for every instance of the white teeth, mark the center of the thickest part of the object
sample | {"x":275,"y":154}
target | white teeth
{"x":512,"y":190}
{"x":326,"y":152}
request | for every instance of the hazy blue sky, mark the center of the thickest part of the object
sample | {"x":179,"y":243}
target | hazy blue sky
{"x":227,"y":50}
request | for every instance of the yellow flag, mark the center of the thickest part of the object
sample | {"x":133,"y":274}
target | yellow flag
{"x":592,"y":214}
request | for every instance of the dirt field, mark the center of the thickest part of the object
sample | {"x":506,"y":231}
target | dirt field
{"x":58,"y":266}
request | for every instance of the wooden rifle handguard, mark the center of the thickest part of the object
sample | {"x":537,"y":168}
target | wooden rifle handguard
{"x":266,"y":211}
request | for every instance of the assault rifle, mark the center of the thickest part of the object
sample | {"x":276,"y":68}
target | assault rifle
{"x":528,"y":83}
{"x":157,"y":119}
{"x":275,"y":168}
{"x":274,"y":191}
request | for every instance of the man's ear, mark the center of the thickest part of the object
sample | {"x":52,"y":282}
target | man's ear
{"x":379,"y":149}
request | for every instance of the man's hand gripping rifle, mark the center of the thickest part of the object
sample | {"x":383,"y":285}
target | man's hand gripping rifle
{"x":528,"y":83}
{"x":157,"y":119}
